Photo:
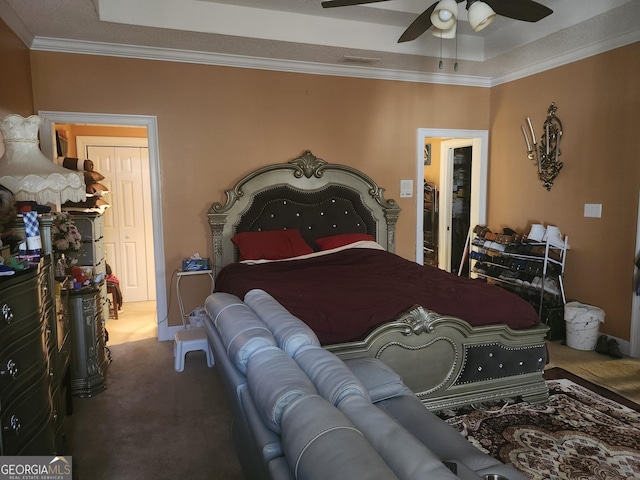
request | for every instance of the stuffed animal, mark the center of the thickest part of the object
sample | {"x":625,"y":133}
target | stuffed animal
{"x":79,"y":276}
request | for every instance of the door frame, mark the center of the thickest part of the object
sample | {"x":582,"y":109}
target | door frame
{"x":47,"y":143}
{"x":480,"y":140}
{"x":634,"y":342}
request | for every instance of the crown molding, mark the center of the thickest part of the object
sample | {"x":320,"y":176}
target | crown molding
{"x":293,"y":66}
{"x":239,"y":61}
{"x":569,"y":57}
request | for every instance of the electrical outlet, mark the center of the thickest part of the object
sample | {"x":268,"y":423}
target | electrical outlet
{"x":593,"y":210}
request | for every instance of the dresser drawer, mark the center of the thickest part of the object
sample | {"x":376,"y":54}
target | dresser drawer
{"x":20,"y":302}
{"x":90,"y":227}
{"x":21,"y":358}
{"x":91,"y":253}
{"x":28,"y":416}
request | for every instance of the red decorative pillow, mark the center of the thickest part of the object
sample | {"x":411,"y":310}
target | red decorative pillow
{"x":271,"y":244}
{"x":335,"y":241}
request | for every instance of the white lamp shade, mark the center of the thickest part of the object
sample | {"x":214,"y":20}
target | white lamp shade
{"x":480,"y":15}
{"x":450,"y":33}
{"x":28,"y":173}
{"x":445,"y":14}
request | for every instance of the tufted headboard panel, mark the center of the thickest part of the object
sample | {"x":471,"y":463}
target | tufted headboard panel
{"x":307,"y":193}
{"x":335,"y":209}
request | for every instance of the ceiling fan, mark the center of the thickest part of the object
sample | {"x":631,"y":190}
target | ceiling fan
{"x":443,"y":14}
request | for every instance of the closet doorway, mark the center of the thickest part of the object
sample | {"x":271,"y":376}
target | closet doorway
{"x":445,"y":145}
{"x":124,"y":161}
{"x":47,"y":143}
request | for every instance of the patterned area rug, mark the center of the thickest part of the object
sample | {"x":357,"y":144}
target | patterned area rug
{"x":579,"y":434}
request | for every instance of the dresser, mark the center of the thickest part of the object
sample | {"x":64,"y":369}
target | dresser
{"x":92,"y":255}
{"x":34,"y":290}
{"x":89,"y":359}
{"x":34,"y":353}
{"x":89,"y":310}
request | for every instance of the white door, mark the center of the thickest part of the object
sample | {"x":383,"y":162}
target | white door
{"x":128,"y":230}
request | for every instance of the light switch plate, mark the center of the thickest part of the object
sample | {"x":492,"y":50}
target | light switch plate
{"x":406,"y":188}
{"x":593,"y":210}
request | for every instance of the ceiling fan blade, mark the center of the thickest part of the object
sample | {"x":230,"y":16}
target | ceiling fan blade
{"x":347,"y":3}
{"x":419,"y":25}
{"x":526,"y":10}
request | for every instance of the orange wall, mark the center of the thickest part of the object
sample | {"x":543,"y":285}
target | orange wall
{"x":216,"y":124}
{"x":598,"y":101}
{"x":15,"y":81}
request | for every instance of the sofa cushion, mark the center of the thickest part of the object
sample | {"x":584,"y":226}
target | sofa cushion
{"x":290,"y":332}
{"x":331,"y":377}
{"x":241,"y":331}
{"x":379,"y":379}
{"x":275,"y":380}
{"x":320,"y":443}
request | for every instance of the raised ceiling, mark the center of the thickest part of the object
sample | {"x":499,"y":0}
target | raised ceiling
{"x":301,"y":36}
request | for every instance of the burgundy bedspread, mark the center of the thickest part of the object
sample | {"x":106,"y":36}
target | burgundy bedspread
{"x":344,"y":295}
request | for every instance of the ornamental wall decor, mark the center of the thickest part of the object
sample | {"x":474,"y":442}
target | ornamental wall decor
{"x":545,"y":153}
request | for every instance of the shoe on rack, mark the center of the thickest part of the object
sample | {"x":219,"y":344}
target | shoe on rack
{"x":537,"y":232}
{"x":550,"y":286}
{"x":614,"y":349}
{"x":554,"y":237}
{"x":602,"y":346}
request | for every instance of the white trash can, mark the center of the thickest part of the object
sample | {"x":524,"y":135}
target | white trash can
{"x":583,"y":325}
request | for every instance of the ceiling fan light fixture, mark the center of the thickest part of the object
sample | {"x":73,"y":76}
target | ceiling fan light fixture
{"x":480,"y":15}
{"x":449,"y":33}
{"x":445,"y":15}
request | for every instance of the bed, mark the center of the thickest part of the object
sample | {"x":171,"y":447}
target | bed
{"x":320,"y":238}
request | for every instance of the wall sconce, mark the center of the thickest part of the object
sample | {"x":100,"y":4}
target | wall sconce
{"x":545,"y":154}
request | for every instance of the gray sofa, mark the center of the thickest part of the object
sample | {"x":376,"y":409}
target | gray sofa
{"x":301,"y":412}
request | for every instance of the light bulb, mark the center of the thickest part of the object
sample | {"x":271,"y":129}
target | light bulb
{"x":445,"y":15}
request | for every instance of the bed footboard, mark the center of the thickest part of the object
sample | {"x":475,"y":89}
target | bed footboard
{"x":448,"y":363}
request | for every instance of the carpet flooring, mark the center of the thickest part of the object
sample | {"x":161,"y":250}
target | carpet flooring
{"x":584,"y":432}
{"x":155,"y":423}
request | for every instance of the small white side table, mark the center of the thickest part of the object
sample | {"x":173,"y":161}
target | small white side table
{"x":181,"y":274}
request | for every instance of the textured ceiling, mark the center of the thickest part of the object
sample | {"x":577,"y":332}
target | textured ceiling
{"x":299,"y":35}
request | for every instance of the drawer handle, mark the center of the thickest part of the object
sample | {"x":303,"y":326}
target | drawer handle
{"x":14,"y":424}
{"x":11,"y":369}
{"x":7,"y":314}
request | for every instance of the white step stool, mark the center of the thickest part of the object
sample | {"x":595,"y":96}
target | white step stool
{"x":190,"y":340}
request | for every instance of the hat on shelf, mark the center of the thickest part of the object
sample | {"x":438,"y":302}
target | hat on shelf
{"x":537,"y":232}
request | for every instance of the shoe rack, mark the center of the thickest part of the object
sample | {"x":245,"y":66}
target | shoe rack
{"x":532,"y":269}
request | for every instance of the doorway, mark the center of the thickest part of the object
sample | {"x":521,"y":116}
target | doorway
{"x":477,"y":140}
{"x":124,"y":161}
{"x":455,"y":184}
{"x":47,"y":141}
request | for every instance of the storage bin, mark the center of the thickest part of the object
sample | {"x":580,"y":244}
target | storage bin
{"x":583,"y":325}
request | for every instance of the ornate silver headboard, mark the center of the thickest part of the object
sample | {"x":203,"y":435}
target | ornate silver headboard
{"x":318,"y":198}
